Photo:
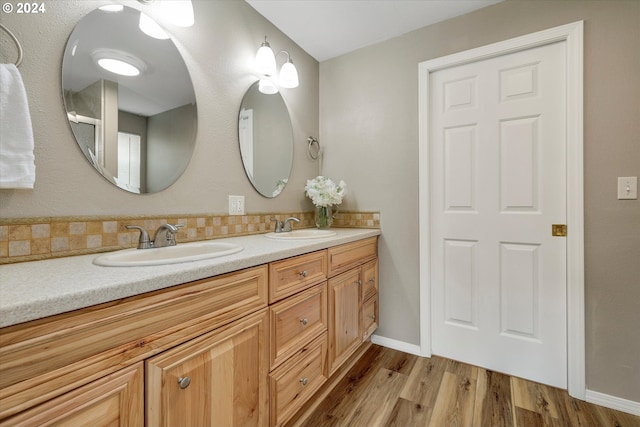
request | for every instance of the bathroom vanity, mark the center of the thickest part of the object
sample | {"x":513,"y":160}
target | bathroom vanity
{"x":243,"y":340}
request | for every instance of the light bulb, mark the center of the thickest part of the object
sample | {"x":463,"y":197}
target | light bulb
{"x":265,"y":60}
{"x":267,"y":87}
{"x":288,"y":75}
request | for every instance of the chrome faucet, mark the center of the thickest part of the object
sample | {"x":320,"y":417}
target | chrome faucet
{"x":283,"y":226}
{"x":287,"y":222}
{"x":165,"y":236}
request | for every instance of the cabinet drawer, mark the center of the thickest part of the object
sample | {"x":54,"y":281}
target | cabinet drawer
{"x":296,"y":320}
{"x":369,"y":279}
{"x":292,"y":275}
{"x":293,"y":383}
{"x":343,"y":257}
{"x":114,"y":400}
{"x":369,"y":319}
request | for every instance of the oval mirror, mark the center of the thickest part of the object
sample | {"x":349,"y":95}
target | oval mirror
{"x":266,"y":140}
{"x":136,"y":125}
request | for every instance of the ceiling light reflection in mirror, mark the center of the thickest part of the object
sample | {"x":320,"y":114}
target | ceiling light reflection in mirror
{"x":137,"y":128}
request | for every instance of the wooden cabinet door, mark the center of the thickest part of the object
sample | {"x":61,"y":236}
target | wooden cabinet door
{"x":218,"y":379}
{"x":117,"y":400}
{"x":344,"y":317}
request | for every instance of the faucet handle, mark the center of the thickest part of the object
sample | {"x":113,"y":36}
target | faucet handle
{"x":166,"y":235}
{"x":143,"y":242}
{"x":279,"y":225}
{"x":286,"y":224}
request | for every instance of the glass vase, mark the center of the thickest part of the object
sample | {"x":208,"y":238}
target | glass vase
{"x":324,"y":217}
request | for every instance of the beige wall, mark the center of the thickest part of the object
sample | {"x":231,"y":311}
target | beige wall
{"x":368,"y":112}
{"x":219,"y":51}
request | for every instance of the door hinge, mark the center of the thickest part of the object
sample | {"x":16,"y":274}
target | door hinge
{"x":559,"y":230}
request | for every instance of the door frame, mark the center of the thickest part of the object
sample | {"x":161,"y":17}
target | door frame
{"x":572,"y":34}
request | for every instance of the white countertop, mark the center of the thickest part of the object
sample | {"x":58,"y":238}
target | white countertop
{"x":33,"y":290}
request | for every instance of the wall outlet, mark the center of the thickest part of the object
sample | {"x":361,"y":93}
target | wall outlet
{"x":627,"y":188}
{"x":236,"y":205}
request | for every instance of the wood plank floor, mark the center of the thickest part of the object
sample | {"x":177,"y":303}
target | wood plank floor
{"x":391,"y":388}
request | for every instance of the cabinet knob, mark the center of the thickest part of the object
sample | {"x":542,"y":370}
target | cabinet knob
{"x":303,"y":273}
{"x":304,"y":381}
{"x":372,"y":316}
{"x":184,"y":382}
{"x":304,"y":321}
{"x":359,"y":282}
{"x":372,"y":280}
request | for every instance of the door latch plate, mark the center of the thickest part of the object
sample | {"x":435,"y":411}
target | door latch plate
{"x":559,"y":230}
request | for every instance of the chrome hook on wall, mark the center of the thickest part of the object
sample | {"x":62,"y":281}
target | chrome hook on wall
{"x":314,"y":153}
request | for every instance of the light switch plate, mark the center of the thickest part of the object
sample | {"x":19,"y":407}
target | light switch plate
{"x":627,"y":187}
{"x":236,"y":205}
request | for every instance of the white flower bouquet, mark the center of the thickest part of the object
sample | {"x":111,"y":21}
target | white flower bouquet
{"x":324,"y":193}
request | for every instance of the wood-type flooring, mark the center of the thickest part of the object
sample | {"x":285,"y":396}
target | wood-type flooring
{"x":390,"y":388}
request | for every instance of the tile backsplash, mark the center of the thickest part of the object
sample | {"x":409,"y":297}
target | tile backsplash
{"x":31,"y":239}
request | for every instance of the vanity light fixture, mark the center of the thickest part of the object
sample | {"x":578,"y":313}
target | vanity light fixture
{"x":266,"y":67}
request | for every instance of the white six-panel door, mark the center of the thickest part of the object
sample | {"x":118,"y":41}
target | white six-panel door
{"x":498,"y":183}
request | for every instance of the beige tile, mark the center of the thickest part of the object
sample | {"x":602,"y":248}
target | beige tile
{"x":109,"y":226}
{"x":59,"y":229}
{"x":19,"y":232}
{"x":94,"y":241}
{"x":40,"y":246}
{"x":77,"y":228}
{"x":59,"y":244}
{"x":40,"y":231}
{"x":4,"y":233}
{"x":4,"y":249}
{"x":19,"y":248}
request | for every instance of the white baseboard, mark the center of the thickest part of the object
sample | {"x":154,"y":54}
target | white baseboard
{"x":612,"y":402}
{"x":396,"y":345}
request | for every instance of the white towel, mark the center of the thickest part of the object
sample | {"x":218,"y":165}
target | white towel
{"x":17,"y":166}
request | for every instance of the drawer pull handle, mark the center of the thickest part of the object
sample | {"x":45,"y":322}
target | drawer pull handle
{"x":303,"y":273}
{"x":372,"y":280}
{"x":304,"y":381}
{"x":184,"y":382}
{"x":304,"y":321}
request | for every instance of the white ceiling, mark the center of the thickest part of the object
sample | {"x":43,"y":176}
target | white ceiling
{"x":329,"y":28}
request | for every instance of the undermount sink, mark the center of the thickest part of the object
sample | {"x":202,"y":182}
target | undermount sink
{"x":168,"y":255}
{"x":305,"y":233}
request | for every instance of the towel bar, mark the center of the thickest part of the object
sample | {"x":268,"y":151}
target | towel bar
{"x":18,"y":45}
